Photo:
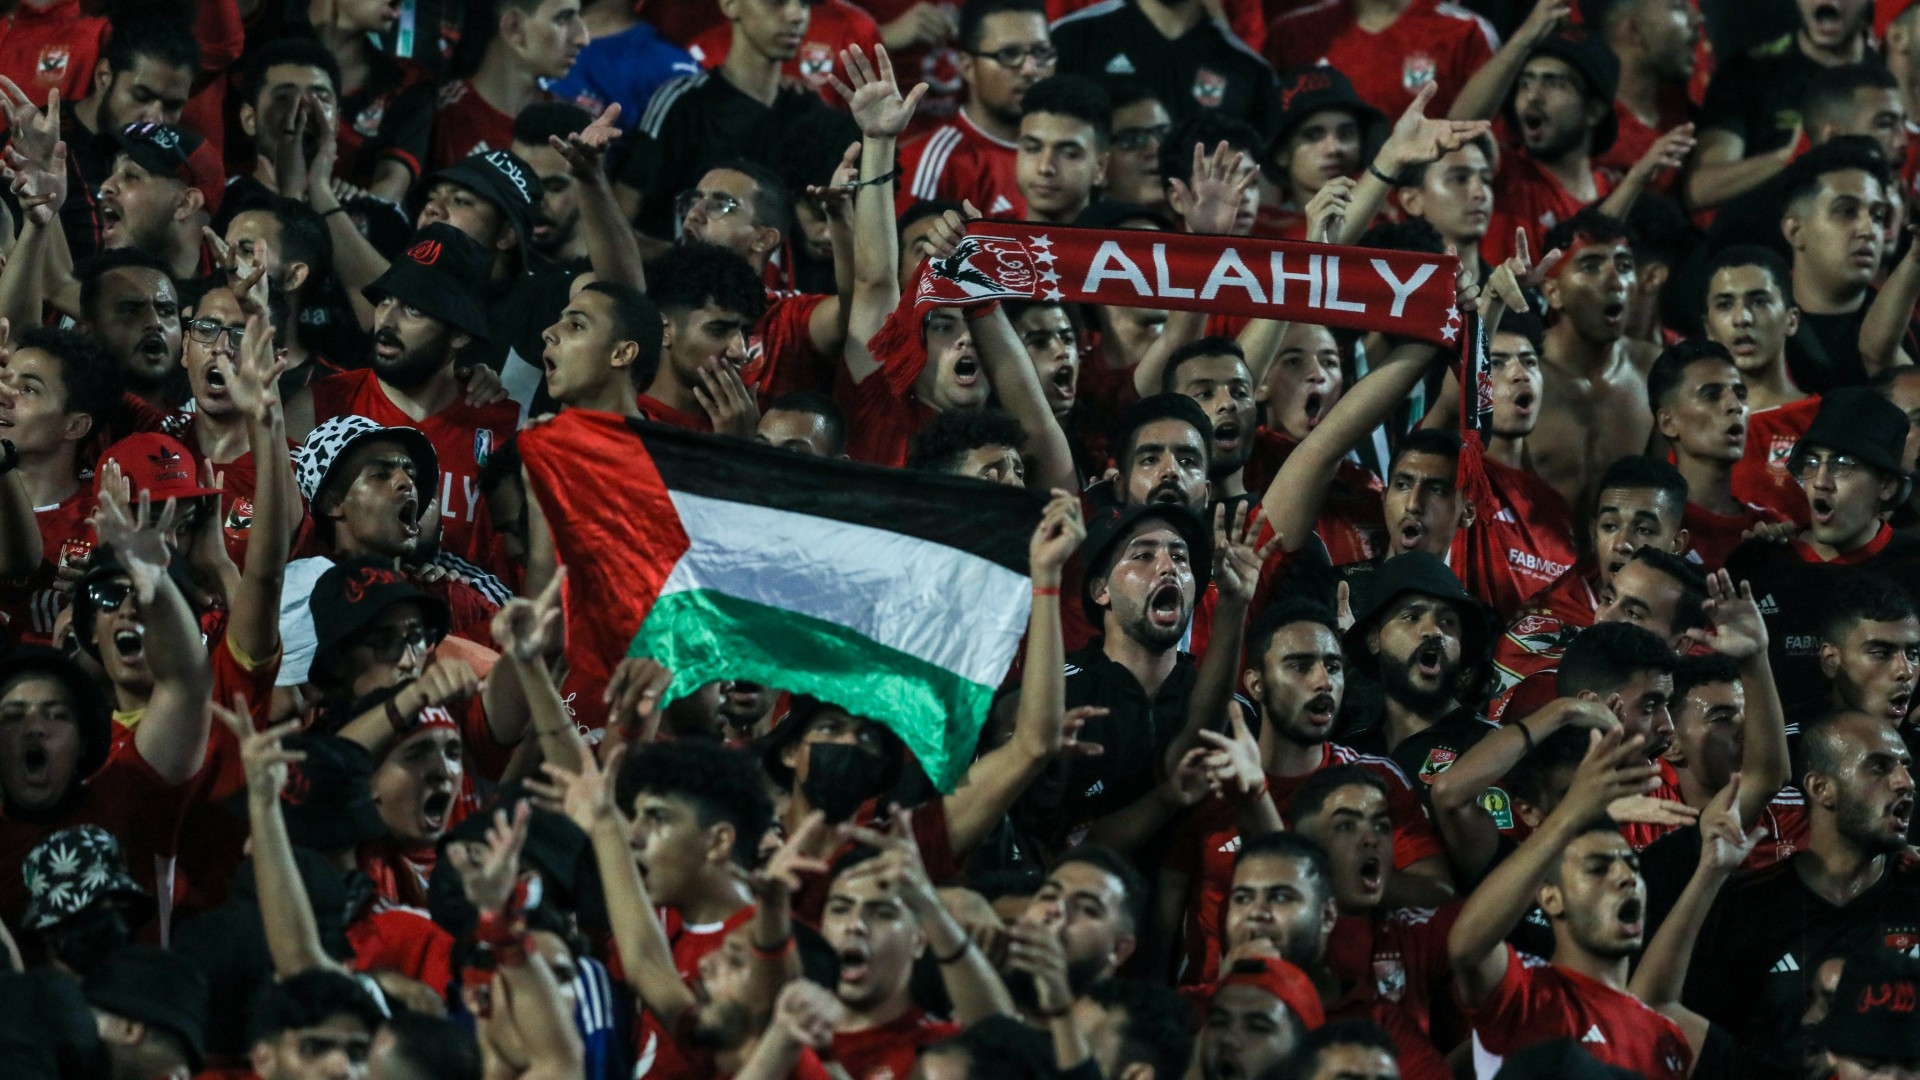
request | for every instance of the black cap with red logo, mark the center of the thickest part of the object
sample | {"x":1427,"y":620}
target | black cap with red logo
{"x":352,"y":594}
{"x":1308,"y":90}
{"x":443,"y":273}
{"x":1876,"y":1009}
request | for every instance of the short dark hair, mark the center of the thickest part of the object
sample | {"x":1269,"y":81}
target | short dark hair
{"x":434,"y":1048}
{"x":690,"y":276}
{"x":1750,"y":255}
{"x":298,"y":51}
{"x":1690,"y":672}
{"x":1211,"y":345}
{"x":1641,"y":472}
{"x":91,"y":377}
{"x":162,"y":36}
{"x":922,"y":210}
{"x":1070,"y":95}
{"x":1690,"y":610}
{"x":1305,"y":1059}
{"x":1293,"y":846}
{"x":1859,"y":596}
{"x":303,"y":236}
{"x":1605,"y":655}
{"x":635,"y":319}
{"x":722,"y":784}
{"x":1589,"y":225}
{"x":89,"y":272}
{"x":1846,"y":153}
{"x":1207,"y":128}
{"x":1670,"y":367}
{"x":1319,"y":786}
{"x":954,"y":433}
{"x":1415,"y":175}
{"x":1123,"y":92}
{"x":1158,"y":1031}
{"x":312,"y":998}
{"x":1830,"y":90}
{"x":1659,"y":229}
{"x":815,"y":403}
{"x":1279,"y":616}
{"x":1527,"y":325}
{"x":772,"y":209}
{"x":1439,"y":442}
{"x":974,"y":15}
{"x":1132,"y":882}
{"x":542,"y":120}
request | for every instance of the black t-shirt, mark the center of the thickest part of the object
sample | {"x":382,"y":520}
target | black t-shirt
{"x":1073,"y":791}
{"x":1424,"y":755}
{"x":1824,"y":354}
{"x":1204,"y":68}
{"x":520,"y":309}
{"x":1756,"y":95}
{"x":89,"y":161}
{"x":1787,"y":587}
{"x":1768,"y":934}
{"x":695,"y":122}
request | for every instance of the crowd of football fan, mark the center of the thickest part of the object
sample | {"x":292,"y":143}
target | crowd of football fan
{"x":1344,"y":742}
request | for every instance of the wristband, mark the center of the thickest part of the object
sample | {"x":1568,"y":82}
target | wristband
{"x":1526,"y":734}
{"x":777,"y":952}
{"x":883,"y":178}
{"x":401,"y":725}
{"x":338,"y":209}
{"x":963,"y":950}
{"x":1382,"y":177}
{"x":1046,"y":590}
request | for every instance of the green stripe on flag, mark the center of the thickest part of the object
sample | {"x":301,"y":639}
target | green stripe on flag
{"x":702,"y":635}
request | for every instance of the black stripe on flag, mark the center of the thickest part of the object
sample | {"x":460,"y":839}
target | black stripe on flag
{"x":991,"y":521}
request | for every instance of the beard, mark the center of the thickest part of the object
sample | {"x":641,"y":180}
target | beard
{"x":1396,"y":677}
{"x":1858,"y":822}
{"x":1143,"y":630}
{"x":413,"y":367}
{"x":1560,"y":145}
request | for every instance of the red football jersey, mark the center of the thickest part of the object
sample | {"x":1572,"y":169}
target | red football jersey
{"x":29,"y":604}
{"x":464,"y":437}
{"x":403,"y":941}
{"x":660,"y":1054}
{"x":466,"y":123}
{"x":1432,"y":41}
{"x":1396,"y":964}
{"x":938,"y":66}
{"x":1537,"y":1001}
{"x":662,"y":413}
{"x":1760,"y":477}
{"x":54,"y":47}
{"x":1208,"y":840}
{"x":1711,"y":537}
{"x":1527,"y":196}
{"x":1523,"y":545}
{"x":780,"y":354}
{"x":879,"y":423}
{"x":1350,"y":519}
{"x":1534,"y":641}
{"x":960,"y":160}
{"x":888,"y":1051}
{"x":1636,"y":138}
{"x":832,"y":25}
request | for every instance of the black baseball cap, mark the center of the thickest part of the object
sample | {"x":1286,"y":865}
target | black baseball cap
{"x":1595,"y":63}
{"x":178,"y":152}
{"x":1873,"y":1012}
{"x":502,"y":178}
{"x":1857,"y":421}
{"x":1106,"y":529}
{"x":444,"y":273}
{"x":152,"y":986}
{"x":352,"y":593}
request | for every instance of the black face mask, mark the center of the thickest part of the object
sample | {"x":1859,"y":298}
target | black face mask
{"x":84,"y":940}
{"x":840,"y":779}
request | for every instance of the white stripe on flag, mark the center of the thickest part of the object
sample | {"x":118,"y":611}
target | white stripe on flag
{"x":933,"y":602}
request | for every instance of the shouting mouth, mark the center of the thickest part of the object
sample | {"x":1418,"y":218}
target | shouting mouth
{"x":853,"y":964}
{"x":129,"y":644}
{"x":1411,"y":533}
{"x":409,"y":516}
{"x":435,"y":808}
{"x":1429,"y":660}
{"x":1063,"y":387}
{"x":966,"y":371}
{"x":1822,"y":509}
{"x":1164,"y":607}
{"x":1226,"y":435}
{"x":1372,"y":875}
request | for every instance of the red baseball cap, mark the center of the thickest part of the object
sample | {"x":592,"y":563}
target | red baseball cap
{"x":158,"y":464}
{"x":1281,"y":979}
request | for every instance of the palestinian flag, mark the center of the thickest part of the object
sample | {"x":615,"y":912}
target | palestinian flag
{"x":895,"y":595}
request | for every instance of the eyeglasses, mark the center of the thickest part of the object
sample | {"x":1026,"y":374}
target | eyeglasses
{"x":1139,"y":138}
{"x":107,"y":596}
{"x":1014,"y":56}
{"x":208,"y":331}
{"x":388,"y":646}
{"x":1838,"y":466}
{"x":715,"y":203}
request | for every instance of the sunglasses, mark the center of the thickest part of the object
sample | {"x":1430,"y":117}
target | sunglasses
{"x":388,"y":646}
{"x":107,"y":596}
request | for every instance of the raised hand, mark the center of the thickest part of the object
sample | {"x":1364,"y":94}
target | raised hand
{"x":1190,"y":782}
{"x":1076,"y":721}
{"x":1615,"y":766}
{"x":1059,"y":534}
{"x":944,"y":237}
{"x":872,"y":95}
{"x":1343,"y":606}
{"x":1327,"y":210}
{"x":264,"y":756}
{"x":489,"y":879}
{"x":1736,"y":629}
{"x":1236,"y":559}
{"x":779,"y":877}
{"x":34,"y":130}
{"x":1647,"y":810}
{"x":246,"y":277}
{"x":253,"y":377}
{"x":1669,"y":151}
{"x":1544,"y":19}
{"x":899,"y":866}
{"x":482,"y":385}
{"x":530,"y":629}
{"x":1417,"y":139}
{"x":443,"y":682}
{"x":291,"y":166}
{"x":838,"y":192}
{"x":807,"y":1013}
{"x":1037,"y":950}
{"x":1510,"y":281}
{"x":585,"y":797}
{"x":134,"y":534}
{"x":1724,"y":844}
{"x":39,"y":184}
{"x":1233,"y":765}
{"x":585,"y":149}
{"x":1216,"y":197}
{"x":633,"y":697}
{"x":726,"y":399}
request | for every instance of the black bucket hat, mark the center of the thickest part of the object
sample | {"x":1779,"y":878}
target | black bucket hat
{"x":1857,"y":421}
{"x":502,"y":178}
{"x":90,"y":708}
{"x":1107,"y":529}
{"x":1873,"y":1009}
{"x":1596,"y":65}
{"x":352,"y":593}
{"x":1428,"y":575}
{"x":152,"y":986}
{"x":444,"y":273}
{"x":1304,"y":91}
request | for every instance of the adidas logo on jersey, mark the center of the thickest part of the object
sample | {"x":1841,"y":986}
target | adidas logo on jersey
{"x":1768,"y":606}
{"x":1120,"y":65}
{"x":1785,"y":965}
{"x":1230,"y":846}
{"x":1593,"y":1035}
{"x":1098,"y":787}
{"x":1506,"y":515}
